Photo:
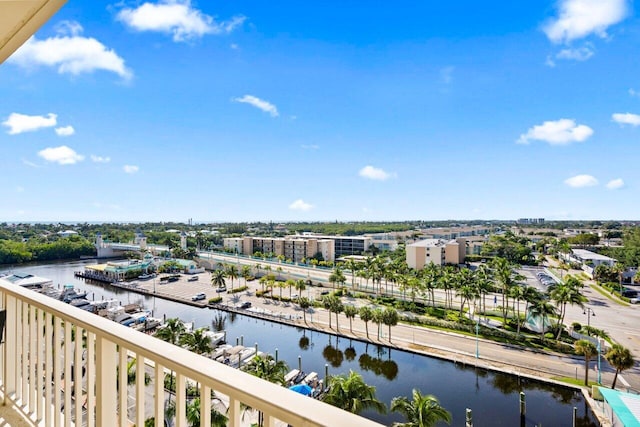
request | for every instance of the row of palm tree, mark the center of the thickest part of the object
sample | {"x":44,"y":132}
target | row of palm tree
{"x":228,"y":271}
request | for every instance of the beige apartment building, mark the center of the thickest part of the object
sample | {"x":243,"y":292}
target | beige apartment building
{"x":437,"y":251}
{"x":293,"y":248}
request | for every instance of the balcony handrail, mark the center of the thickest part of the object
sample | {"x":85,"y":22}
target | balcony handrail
{"x":277,"y":401}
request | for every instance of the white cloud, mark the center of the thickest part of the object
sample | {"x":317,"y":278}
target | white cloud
{"x":130,"y":168}
{"x":100,"y":159}
{"x":576,"y":54}
{"x":310,"y":146}
{"x":615,"y":184}
{"x":176,"y":17}
{"x":580,"y":18}
{"x":300,"y":205}
{"x":626,"y":119}
{"x":62,"y":155}
{"x":446,"y":74}
{"x":234,"y":46}
{"x":634,"y":92}
{"x":70,"y":53}
{"x":376,"y":174}
{"x":559,"y":132}
{"x":580,"y":181}
{"x":65,"y":131}
{"x":261,"y":104}
{"x":19,"y":189}
{"x":19,"y":123}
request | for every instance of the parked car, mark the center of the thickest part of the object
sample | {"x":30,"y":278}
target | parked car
{"x":221,"y":289}
{"x":192,"y":279}
{"x":245,"y":304}
{"x":199,"y":297}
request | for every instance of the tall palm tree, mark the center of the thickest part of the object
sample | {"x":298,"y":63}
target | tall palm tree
{"x":390,"y":318}
{"x":197,"y":341}
{"x":268,"y":369}
{"x":218,"y":278}
{"x":353,"y":266}
{"x":588,"y":350}
{"x":304,"y":303}
{"x":484,"y":283}
{"x":232,"y":273}
{"x":620,"y":358}
{"x":377,"y":318}
{"x":421,"y":411}
{"x":542,"y":309}
{"x":366,"y":314}
{"x":466,"y":293}
{"x":300,"y":286}
{"x":350,"y":311}
{"x":290,"y":284}
{"x":506,"y":278}
{"x":431,"y":278}
{"x":351,"y":393}
{"x":567,"y":292}
{"x":245,"y":272}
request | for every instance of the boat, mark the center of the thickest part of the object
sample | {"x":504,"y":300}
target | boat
{"x":69,"y":293}
{"x":215,"y":337}
{"x":82,"y":304}
{"x":236,"y":355}
{"x":150,"y":324}
{"x":219,"y":351}
{"x":311,"y":380}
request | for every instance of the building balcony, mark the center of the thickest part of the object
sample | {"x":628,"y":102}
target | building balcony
{"x":62,"y":366}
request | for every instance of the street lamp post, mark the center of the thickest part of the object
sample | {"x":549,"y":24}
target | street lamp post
{"x":477,"y":332}
{"x":589,"y":312}
{"x":599,"y":370}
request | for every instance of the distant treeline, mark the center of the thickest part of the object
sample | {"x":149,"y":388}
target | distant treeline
{"x":350,"y":229}
{"x":12,"y":252}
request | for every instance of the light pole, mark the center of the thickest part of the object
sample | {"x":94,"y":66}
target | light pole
{"x":477,"y":332}
{"x":589,"y":312}
{"x":599,"y":371}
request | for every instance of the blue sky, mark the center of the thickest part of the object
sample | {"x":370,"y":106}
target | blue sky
{"x":247,"y":110}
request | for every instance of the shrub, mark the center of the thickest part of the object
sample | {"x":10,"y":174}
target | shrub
{"x":576,"y":326}
{"x":215,"y":300}
{"x":236,"y":290}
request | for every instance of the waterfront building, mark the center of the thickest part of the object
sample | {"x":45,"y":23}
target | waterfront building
{"x":448,"y":233}
{"x":294,"y":248}
{"x":437,"y":251}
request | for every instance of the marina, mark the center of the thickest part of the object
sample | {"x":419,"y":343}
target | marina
{"x":393,"y":372}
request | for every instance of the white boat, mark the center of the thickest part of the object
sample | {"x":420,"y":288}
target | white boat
{"x":215,"y":337}
{"x":311,"y":380}
{"x":294,"y":377}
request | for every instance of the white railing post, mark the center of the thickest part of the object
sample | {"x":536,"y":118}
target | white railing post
{"x":106,"y":405}
{"x":159,"y":395}
{"x":181,"y":401}
{"x":140,"y":386}
{"x":123,"y":376}
{"x":9,"y":374}
{"x":234,"y":412}
{"x":91,"y":375}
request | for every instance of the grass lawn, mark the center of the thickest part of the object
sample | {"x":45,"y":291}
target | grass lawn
{"x":577,"y":382}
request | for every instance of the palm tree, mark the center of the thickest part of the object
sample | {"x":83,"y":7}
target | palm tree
{"x":431,"y":277}
{"x":218,"y":279}
{"x":517,"y":293}
{"x":197,"y":341}
{"x":290,"y":284}
{"x":232,"y":273}
{"x":588,"y":350}
{"x":390,"y":318}
{"x":245,"y":272}
{"x":565,"y":293}
{"x":304,"y":303}
{"x":334,"y":305}
{"x":352,"y":394}
{"x":466,"y":293}
{"x":266,"y":367}
{"x":377,"y":318}
{"x":619,"y":269}
{"x":350,"y":311}
{"x":485,"y":284}
{"x":300,"y":286}
{"x":542,"y":309}
{"x":337,"y":277}
{"x":506,"y":278}
{"x":171,"y":332}
{"x":366,"y":314}
{"x":422,"y":411}
{"x":353,"y":267}
{"x":193,"y":415}
{"x":620,"y":358}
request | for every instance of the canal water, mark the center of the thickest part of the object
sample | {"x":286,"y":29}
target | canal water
{"x":493,"y":397}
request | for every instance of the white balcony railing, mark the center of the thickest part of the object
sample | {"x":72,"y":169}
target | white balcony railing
{"x":42,"y":347}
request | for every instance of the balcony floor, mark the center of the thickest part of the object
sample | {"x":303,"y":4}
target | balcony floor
{"x":10,"y":417}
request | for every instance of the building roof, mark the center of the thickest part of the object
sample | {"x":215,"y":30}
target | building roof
{"x":585,"y":254}
{"x":626,"y":406}
{"x":428,"y":243}
{"x":20,"y":19}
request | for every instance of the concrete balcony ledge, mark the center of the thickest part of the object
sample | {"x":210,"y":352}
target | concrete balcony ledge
{"x":44,"y":329}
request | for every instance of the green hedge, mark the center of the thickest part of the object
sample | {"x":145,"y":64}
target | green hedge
{"x":236,"y":290}
{"x":215,"y":300}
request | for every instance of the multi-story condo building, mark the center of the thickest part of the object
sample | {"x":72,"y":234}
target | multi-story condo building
{"x":294,"y":248}
{"x":437,"y":251}
{"x":448,"y":233}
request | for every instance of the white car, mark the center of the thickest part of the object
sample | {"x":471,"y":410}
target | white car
{"x":634,"y":300}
